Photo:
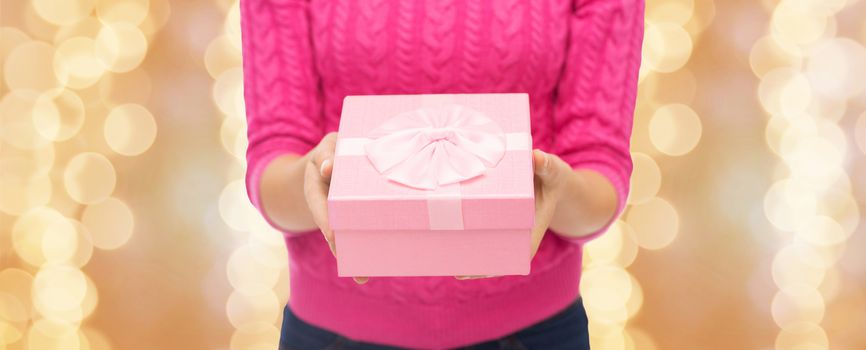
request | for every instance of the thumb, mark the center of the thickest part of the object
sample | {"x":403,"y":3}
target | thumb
{"x":324,"y":163}
{"x":324,"y":157}
{"x":327,"y":168}
{"x":546,"y":166}
{"x":541,"y":163}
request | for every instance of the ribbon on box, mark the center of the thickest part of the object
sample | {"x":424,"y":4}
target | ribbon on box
{"x":434,"y":148}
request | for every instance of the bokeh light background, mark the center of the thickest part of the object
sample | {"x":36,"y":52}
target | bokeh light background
{"x":124,"y":222}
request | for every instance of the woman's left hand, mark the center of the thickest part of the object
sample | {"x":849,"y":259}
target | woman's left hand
{"x":551,"y":173}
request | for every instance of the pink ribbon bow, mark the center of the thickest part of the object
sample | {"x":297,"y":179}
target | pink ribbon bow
{"x":434,"y":146}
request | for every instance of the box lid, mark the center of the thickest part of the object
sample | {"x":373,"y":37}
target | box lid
{"x":501,"y":197}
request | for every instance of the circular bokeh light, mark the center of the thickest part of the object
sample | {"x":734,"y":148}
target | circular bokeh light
{"x":130,"y":129}
{"x":127,"y":11}
{"x":655,"y":223}
{"x":667,"y":46}
{"x":31,"y":230}
{"x":76,"y":62}
{"x":64,"y":12}
{"x":109,"y":222}
{"x":58,"y":114}
{"x":24,"y":67}
{"x":121,"y":46}
{"x":675,"y":129}
{"x":89,"y":178}
{"x":16,"y":111}
{"x":646,"y":178}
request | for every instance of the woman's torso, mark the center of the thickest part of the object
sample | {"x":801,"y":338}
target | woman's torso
{"x":443,"y":46}
{"x":398,"y":47}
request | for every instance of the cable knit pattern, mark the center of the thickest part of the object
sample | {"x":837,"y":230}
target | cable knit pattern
{"x":578,"y":61}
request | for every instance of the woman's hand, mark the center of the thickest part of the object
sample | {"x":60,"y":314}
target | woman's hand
{"x":317,"y":182}
{"x":572,"y":202}
{"x":294,"y":191}
{"x":549,"y":171}
{"x":551,"y":174}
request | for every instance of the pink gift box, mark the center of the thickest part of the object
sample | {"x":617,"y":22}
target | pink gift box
{"x":433,"y":185}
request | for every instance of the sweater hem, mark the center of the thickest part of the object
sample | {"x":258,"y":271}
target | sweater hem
{"x":371,"y":319}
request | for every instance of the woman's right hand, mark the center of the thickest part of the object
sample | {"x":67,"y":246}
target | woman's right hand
{"x":317,"y":182}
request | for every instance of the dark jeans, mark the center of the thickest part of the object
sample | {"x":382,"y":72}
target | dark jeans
{"x":565,"y":330}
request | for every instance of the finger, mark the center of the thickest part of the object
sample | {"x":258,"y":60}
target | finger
{"x":361,"y":280}
{"x":544,"y":210}
{"x":539,"y":160}
{"x":541,"y":163}
{"x":316,"y":194}
{"x":323,"y":163}
{"x":548,"y":167}
{"x":326,"y":169}
{"x":473,"y":277}
{"x":537,"y":237}
{"x":323,"y":158}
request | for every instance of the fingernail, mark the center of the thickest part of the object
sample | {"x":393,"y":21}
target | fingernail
{"x":322,"y":167}
{"x":544,"y":165}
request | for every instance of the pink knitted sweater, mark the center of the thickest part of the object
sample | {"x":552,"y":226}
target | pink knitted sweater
{"x":577,"y":59}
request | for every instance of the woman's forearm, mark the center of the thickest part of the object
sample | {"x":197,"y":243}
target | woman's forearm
{"x":587,"y":204}
{"x":282,"y":193}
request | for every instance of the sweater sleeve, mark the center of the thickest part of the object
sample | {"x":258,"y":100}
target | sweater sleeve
{"x":595,"y":99}
{"x":281,"y":86}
